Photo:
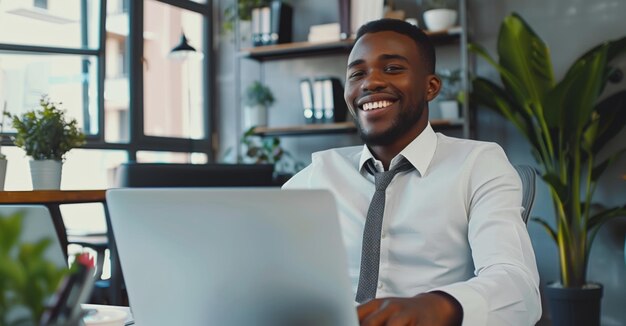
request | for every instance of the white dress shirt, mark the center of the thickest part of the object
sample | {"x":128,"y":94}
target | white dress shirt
{"x":453,"y":224}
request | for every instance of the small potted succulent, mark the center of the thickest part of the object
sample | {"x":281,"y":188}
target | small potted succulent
{"x":46,"y":135}
{"x":257,"y":99}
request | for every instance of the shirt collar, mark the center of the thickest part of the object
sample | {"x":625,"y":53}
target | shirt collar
{"x":419,"y":152}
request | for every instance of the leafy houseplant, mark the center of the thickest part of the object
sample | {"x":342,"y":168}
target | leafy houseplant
{"x":244,"y":9}
{"x":567,"y":123}
{"x":46,"y":135}
{"x":27,"y":279}
{"x":258,"y":150}
{"x":257,"y":99}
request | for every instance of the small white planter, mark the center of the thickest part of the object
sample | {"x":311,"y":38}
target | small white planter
{"x":254,"y":116}
{"x":439,"y":19}
{"x":46,"y":174}
{"x":449,"y":110}
{"x":3,"y":172}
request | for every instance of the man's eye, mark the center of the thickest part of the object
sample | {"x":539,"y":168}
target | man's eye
{"x":356,"y":74}
{"x":393,"y":68}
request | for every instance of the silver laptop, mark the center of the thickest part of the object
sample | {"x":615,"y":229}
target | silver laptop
{"x":217,"y":256}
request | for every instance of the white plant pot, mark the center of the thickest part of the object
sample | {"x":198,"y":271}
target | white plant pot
{"x":449,"y":110}
{"x":254,"y":116}
{"x":3,"y":172}
{"x":46,"y":174}
{"x":439,"y":19}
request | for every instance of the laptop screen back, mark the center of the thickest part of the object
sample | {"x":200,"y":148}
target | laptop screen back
{"x":217,"y":256}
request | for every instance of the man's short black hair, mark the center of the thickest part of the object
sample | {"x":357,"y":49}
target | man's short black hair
{"x":425,"y":47}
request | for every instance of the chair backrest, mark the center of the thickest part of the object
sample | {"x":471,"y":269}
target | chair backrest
{"x":527,"y":174}
{"x":134,"y":174}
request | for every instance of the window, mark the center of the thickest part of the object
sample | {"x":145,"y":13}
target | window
{"x":111,"y":69}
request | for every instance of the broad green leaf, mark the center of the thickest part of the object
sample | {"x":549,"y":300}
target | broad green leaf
{"x":583,"y":85}
{"x":557,"y":185}
{"x":523,"y":53}
{"x":546,"y":226}
{"x":601,"y":167}
{"x":517,"y":90}
{"x":612,"y":112}
{"x":600,"y":218}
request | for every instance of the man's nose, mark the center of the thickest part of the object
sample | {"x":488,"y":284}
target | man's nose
{"x":374,"y":81}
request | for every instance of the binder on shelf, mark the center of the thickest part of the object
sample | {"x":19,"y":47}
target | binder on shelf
{"x":318,"y":100}
{"x":363,"y":11}
{"x":306,"y":93}
{"x":344,"y":19}
{"x":335,"y":107}
{"x":328,"y":103}
{"x":264,"y":15}
{"x":280,"y":22}
{"x":256,"y":27}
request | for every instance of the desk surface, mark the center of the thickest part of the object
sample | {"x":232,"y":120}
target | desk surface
{"x":52,"y":196}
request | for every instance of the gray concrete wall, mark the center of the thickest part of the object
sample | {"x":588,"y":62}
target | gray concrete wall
{"x":569,"y":27}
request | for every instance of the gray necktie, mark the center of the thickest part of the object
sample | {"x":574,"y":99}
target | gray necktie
{"x":370,"y":251}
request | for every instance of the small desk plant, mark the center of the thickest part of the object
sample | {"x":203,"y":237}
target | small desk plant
{"x":46,"y":135}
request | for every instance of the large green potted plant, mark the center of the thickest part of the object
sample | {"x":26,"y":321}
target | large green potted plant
{"x":46,"y":135}
{"x":567,"y":124}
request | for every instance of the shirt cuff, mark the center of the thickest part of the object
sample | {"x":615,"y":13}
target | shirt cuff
{"x":474,"y":306}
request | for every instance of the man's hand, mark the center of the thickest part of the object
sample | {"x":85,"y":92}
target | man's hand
{"x":426,"y":309}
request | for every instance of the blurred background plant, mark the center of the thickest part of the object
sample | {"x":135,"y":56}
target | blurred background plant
{"x":245,"y":11}
{"x":258,"y":94}
{"x":27,"y":278}
{"x":264,"y":150}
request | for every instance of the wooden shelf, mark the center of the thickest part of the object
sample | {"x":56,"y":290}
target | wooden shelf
{"x":304,"y":49}
{"x":338,"y":128}
{"x":312,"y":129}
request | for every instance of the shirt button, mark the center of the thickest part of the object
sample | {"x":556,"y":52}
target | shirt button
{"x":380,"y":285}
{"x":383,"y":234}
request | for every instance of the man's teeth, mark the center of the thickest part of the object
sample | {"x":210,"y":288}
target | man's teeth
{"x":376,"y":105}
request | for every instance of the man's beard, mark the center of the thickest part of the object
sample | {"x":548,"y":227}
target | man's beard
{"x":403,"y":122}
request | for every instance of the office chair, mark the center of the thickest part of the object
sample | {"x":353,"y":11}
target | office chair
{"x":528,"y":175}
{"x":133,"y":174}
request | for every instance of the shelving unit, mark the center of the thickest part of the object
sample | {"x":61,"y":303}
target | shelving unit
{"x":304,"y":49}
{"x":456,"y":35}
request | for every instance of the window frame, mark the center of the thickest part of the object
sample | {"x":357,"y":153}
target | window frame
{"x":138,"y":141}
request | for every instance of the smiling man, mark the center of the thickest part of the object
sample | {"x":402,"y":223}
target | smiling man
{"x":432,"y":224}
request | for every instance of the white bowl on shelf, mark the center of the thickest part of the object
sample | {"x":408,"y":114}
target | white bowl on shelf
{"x":439,"y":19}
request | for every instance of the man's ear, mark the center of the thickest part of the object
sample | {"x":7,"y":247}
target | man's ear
{"x":433,"y":86}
